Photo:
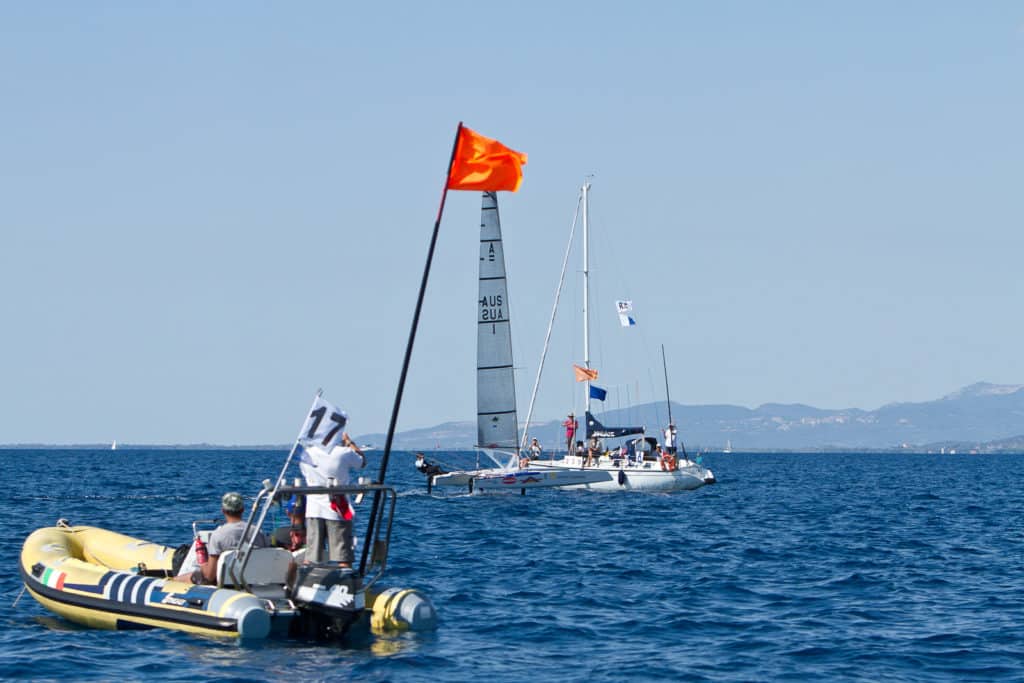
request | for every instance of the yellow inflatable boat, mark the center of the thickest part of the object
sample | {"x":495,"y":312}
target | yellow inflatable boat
{"x":104,"y":579}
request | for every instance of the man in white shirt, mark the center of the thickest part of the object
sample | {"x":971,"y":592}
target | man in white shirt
{"x":324,"y":520}
{"x":670,"y":439}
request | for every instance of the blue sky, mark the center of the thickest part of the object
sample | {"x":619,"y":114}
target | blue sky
{"x":212,"y":209}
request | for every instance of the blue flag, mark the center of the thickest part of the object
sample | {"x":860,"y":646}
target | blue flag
{"x":597,"y":392}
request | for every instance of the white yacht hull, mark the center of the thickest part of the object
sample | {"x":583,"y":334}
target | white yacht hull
{"x":605,"y":476}
{"x":644,"y":476}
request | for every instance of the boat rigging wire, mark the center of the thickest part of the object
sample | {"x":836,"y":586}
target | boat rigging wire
{"x":551,"y":323}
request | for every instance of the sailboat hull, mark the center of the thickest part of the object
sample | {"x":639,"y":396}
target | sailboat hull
{"x":644,"y":477}
{"x":602,"y":477}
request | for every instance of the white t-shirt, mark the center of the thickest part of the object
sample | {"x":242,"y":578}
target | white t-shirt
{"x":317,"y":466}
{"x":670,"y":437}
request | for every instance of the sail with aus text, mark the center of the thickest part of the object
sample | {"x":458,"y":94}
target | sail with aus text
{"x":497,"y":425}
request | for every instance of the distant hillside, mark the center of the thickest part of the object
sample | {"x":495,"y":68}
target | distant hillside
{"x":978,"y":414}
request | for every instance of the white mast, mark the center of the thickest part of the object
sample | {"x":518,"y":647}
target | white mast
{"x":586,"y":291}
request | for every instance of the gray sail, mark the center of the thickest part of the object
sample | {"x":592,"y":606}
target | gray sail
{"x":496,"y":422}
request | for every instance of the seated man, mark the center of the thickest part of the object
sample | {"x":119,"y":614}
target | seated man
{"x":292,"y":537}
{"x":535,"y":450}
{"x":227,"y":536}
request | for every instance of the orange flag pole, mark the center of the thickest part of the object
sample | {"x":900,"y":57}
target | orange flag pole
{"x":369,"y":539}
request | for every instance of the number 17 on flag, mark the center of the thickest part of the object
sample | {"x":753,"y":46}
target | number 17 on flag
{"x":324,"y":425}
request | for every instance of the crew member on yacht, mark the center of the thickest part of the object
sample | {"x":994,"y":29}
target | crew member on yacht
{"x":670,"y":439}
{"x":593,"y":451}
{"x":571,"y":425}
{"x":535,"y":450}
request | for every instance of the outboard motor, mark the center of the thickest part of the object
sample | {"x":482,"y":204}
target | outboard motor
{"x":331,"y":603}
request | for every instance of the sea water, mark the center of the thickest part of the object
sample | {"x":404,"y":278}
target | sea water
{"x":894,"y":567}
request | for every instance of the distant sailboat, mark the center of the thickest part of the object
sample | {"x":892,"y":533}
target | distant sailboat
{"x":113,"y":446}
{"x":728,"y":446}
{"x":635,"y":465}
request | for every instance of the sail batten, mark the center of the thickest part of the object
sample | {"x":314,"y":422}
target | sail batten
{"x":497,"y":424}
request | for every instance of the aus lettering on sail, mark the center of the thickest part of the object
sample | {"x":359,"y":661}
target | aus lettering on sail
{"x":492,"y":308}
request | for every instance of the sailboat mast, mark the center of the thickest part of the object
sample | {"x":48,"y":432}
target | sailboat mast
{"x":668,"y":399}
{"x":586,"y":286}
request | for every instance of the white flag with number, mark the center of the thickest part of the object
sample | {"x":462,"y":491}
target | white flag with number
{"x":324,"y":425}
{"x":625,"y":308}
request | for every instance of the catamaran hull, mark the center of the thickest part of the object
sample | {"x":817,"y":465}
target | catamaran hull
{"x":538,"y":478}
{"x":459,"y":479}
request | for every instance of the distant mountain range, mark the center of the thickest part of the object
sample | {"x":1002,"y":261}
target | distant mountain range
{"x":982,"y":417}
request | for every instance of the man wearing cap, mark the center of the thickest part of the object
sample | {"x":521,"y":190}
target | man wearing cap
{"x":329,"y":517}
{"x":227,"y":536}
{"x":571,"y":425}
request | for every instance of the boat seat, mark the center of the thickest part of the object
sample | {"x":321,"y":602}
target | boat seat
{"x":266,"y":566}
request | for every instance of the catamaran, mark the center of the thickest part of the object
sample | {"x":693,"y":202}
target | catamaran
{"x":497,"y":421}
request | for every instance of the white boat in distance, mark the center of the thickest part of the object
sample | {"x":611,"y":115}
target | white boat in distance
{"x":636,"y":464}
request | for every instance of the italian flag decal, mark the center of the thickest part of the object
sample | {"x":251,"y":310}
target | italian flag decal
{"x":53,"y":578}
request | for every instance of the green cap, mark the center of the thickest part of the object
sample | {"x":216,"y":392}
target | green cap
{"x":232,"y":502}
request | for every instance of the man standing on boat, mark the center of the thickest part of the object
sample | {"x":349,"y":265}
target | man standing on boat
{"x":571,"y":425}
{"x":670,"y":439}
{"x":329,"y":517}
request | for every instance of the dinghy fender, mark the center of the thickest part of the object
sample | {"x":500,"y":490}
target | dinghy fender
{"x":622,"y":477}
{"x":402,"y":609}
{"x":246,"y":610}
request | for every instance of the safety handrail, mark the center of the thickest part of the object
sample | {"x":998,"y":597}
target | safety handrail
{"x":267,"y":496}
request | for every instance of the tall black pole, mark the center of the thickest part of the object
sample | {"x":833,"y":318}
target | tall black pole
{"x":405,"y":363}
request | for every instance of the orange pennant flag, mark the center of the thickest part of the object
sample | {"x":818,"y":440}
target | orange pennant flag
{"x":484,"y":164}
{"x":584,"y":374}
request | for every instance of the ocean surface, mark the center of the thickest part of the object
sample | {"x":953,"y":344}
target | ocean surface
{"x":793,"y":567}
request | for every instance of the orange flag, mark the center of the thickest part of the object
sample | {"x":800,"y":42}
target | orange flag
{"x":583,"y":374}
{"x":484,"y":164}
